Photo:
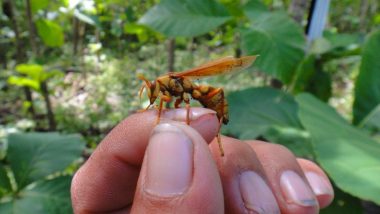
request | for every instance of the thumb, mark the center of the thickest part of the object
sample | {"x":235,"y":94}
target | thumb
{"x":178,"y":174}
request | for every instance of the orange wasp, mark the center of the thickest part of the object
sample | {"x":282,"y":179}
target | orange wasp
{"x":179,"y":85}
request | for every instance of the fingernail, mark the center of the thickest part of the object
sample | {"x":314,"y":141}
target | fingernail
{"x":319,"y":184}
{"x":296,"y":191}
{"x":179,"y":114}
{"x":169,"y":161}
{"x":256,"y":194}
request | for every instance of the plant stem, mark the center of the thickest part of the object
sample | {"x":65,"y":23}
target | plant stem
{"x":171,"y":54}
{"x":31,"y":29}
{"x":50,"y":114}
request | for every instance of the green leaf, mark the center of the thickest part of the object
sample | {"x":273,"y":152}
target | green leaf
{"x":185,"y":17}
{"x":5,"y":184}
{"x":349,"y":155}
{"x":295,"y":139}
{"x":91,"y":20}
{"x":367,"y":86}
{"x":37,"y":5}
{"x":254,"y":8}
{"x":50,"y":33}
{"x":33,"y":156}
{"x":278,"y":40}
{"x":372,"y":120}
{"x":34,"y":71}
{"x":303,"y":74}
{"x":253,"y":111}
{"x":49,"y":196}
{"x":24,"y":81}
{"x":139,"y":30}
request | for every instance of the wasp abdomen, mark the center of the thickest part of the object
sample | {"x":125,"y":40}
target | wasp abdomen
{"x":212,"y":98}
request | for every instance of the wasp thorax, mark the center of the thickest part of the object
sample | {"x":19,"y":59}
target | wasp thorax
{"x":175,"y":86}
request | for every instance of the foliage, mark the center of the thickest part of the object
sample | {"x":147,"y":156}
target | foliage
{"x":367,"y":91}
{"x":50,"y":33}
{"x":89,"y":52}
{"x":31,"y":176}
{"x":338,"y":146}
{"x":273,"y":36}
{"x":185,"y":17}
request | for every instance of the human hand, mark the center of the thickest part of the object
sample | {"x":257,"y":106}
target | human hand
{"x":179,"y":173}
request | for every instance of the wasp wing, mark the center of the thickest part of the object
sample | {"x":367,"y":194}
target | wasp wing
{"x":220,"y":66}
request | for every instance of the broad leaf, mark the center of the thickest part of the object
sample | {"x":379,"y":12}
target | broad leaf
{"x":268,"y":113}
{"x":185,"y":17}
{"x":32,"y":70}
{"x":140,"y":31}
{"x":349,"y":156}
{"x":33,"y":156}
{"x":295,"y":139}
{"x":37,"y":5}
{"x":5,"y":184}
{"x":50,"y":33}
{"x":372,"y":120}
{"x":253,"y":111}
{"x":24,"y":81}
{"x":367,"y":86}
{"x":278,"y":40}
{"x":49,"y":196}
{"x":91,"y":20}
{"x":254,"y":8}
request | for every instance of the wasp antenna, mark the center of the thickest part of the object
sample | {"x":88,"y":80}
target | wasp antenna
{"x":141,"y":77}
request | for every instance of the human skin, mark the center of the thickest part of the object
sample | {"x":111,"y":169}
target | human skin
{"x":142,"y":167}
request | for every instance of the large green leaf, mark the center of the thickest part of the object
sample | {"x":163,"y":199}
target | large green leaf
{"x":24,"y":81}
{"x":254,"y":8}
{"x":33,"y":156}
{"x":372,"y":120}
{"x":37,"y":5}
{"x":50,"y":32}
{"x":278,"y":40}
{"x":5,"y":184}
{"x":349,"y":155}
{"x":268,"y":113}
{"x":253,"y":111}
{"x":49,"y":196}
{"x":89,"y":19}
{"x":367,"y":86}
{"x":185,"y":17}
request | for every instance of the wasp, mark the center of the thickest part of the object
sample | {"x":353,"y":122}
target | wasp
{"x":180,"y":86}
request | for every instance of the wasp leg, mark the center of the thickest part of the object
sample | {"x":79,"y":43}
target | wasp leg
{"x":178,"y":101}
{"x":163,"y":98}
{"x":186,"y":99}
{"x":219,"y":138}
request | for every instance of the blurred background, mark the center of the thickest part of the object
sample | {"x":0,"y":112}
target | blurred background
{"x":68,"y":74}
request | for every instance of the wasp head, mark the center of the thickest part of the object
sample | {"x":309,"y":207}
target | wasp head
{"x":152,"y":89}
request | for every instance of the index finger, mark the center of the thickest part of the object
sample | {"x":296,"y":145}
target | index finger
{"x":107,"y":181}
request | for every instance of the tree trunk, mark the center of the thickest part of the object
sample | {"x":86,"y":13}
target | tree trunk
{"x":19,"y":53}
{"x":297,"y":9}
{"x":49,"y":109}
{"x":32,"y":34}
{"x":364,"y":6}
{"x":75,"y":36}
{"x":171,"y":54}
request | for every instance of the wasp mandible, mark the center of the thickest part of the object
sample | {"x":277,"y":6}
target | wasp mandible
{"x":180,"y":86}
